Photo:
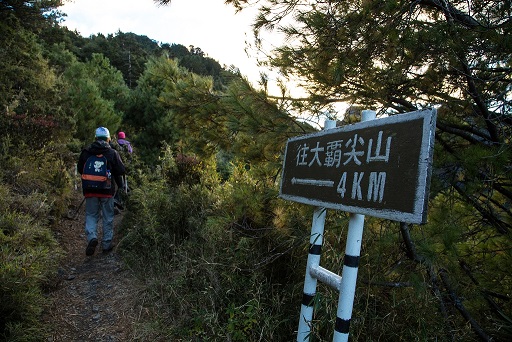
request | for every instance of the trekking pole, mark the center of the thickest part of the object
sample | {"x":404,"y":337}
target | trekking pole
{"x":75,"y":175}
{"x":75,"y":214}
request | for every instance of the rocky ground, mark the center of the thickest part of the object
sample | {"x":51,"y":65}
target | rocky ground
{"x":95,"y":297}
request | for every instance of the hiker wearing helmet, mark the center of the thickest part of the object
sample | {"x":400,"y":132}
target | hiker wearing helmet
{"x":102,"y":169}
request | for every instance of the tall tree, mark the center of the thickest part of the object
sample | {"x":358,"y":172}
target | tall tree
{"x":32,"y":15}
{"x":127,"y":52}
{"x":97,"y":95}
{"x":149,"y":117}
{"x":29,"y":90}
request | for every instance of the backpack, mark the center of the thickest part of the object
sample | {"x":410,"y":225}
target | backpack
{"x":124,"y":152}
{"x":95,"y":174}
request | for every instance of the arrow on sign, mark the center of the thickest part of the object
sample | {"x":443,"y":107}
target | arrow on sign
{"x":316,"y":182}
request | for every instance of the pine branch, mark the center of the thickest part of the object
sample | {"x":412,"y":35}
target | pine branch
{"x":485,"y":293}
{"x":479,"y":101}
{"x":457,"y":302}
{"x":413,"y":255}
{"x":402,"y":102}
{"x":388,"y":283}
{"x":464,"y":132}
{"x":306,"y":99}
{"x":451,"y":13}
{"x":501,"y":226}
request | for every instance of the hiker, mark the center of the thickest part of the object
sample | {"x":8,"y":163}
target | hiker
{"x":99,"y":164}
{"x":125,"y":150}
{"x":123,"y":143}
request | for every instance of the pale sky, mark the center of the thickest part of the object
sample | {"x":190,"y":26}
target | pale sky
{"x":208,"y":24}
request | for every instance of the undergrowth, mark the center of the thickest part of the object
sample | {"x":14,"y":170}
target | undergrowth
{"x":224,"y":260}
{"x":212,"y":258}
{"x":34,"y":191}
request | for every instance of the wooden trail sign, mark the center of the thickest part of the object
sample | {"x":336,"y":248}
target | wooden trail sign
{"x":378,"y":168}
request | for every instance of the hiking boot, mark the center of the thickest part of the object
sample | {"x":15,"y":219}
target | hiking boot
{"x":91,"y":247}
{"x":108,"y":249}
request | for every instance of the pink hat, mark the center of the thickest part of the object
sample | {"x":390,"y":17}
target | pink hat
{"x":121,"y":135}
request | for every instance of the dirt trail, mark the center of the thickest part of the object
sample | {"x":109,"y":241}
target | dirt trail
{"x":95,"y":298}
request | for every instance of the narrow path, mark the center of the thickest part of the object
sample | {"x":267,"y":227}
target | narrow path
{"x":95,"y":298}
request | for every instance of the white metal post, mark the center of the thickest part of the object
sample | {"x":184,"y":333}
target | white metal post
{"x":350,"y":267}
{"x":310,"y":282}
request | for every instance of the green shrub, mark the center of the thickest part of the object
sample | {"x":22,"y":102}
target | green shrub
{"x":214,"y":260}
{"x":45,"y":173}
{"x":164,"y":212}
{"x":35,"y":187}
{"x":29,"y":257}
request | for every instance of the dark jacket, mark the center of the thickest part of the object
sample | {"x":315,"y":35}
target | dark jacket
{"x":114,"y":163}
